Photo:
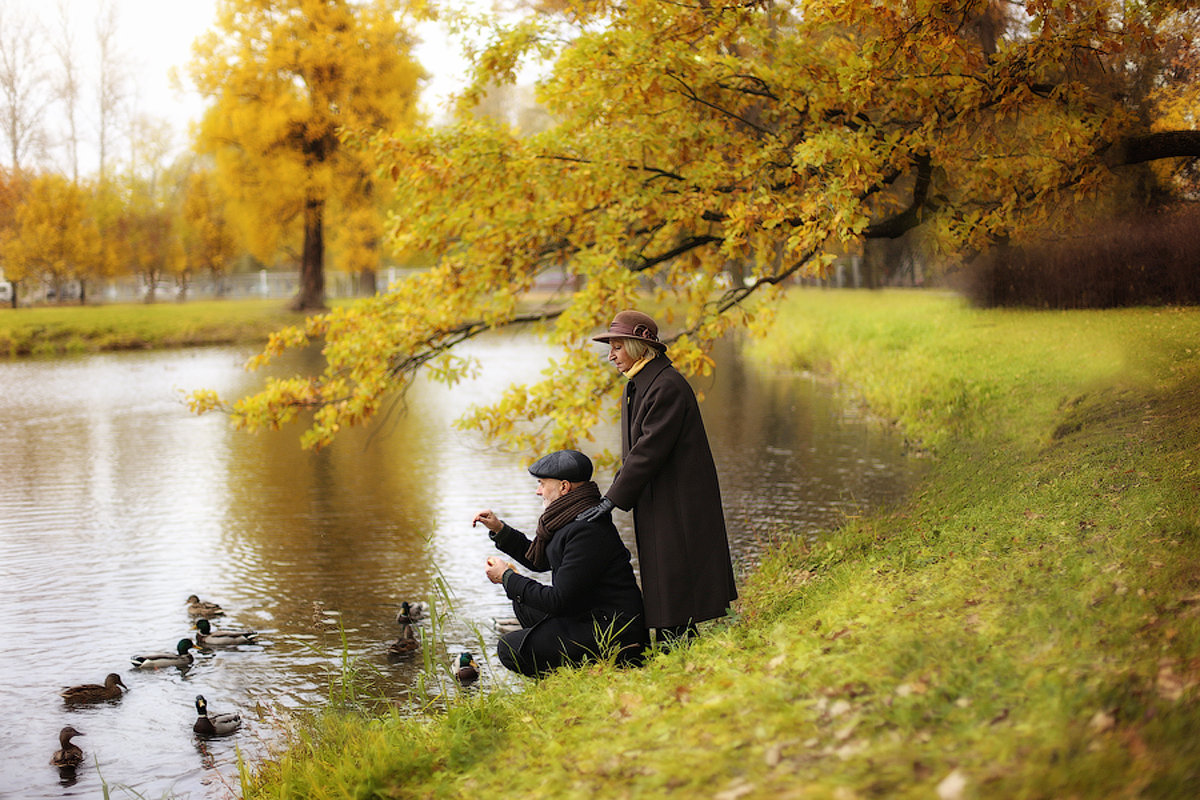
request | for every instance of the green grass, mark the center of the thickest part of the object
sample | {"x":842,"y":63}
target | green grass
{"x":1026,"y":625}
{"x":55,"y":330}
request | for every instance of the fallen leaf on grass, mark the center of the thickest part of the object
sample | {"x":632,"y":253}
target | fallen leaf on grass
{"x":734,"y":792}
{"x":952,"y":786}
{"x":1171,"y":686}
{"x":1101,"y":722}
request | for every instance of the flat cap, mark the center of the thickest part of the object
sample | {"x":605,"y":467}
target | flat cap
{"x":565,"y":465}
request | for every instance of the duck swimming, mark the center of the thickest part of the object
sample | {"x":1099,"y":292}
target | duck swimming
{"x":210,"y":636}
{"x":410,"y":613}
{"x":468,"y":670}
{"x":406,"y":644}
{"x":68,"y":755}
{"x":94,"y":692}
{"x":180,"y":658}
{"x":214,"y":724}
{"x":201,"y":608}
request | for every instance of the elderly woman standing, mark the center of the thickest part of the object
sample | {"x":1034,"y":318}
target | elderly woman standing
{"x":668,"y":478}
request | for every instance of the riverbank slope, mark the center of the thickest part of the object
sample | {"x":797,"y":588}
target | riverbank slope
{"x":1027,"y":624}
{"x":59,"y":330}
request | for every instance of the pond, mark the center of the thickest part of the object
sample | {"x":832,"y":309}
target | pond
{"x":116,"y":504}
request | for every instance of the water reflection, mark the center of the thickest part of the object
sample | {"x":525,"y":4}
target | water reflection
{"x":115,"y":505}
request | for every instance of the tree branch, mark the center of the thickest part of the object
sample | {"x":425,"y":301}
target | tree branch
{"x":896,"y":226}
{"x":1152,"y":147}
{"x":690,"y":243}
{"x":444,"y":341}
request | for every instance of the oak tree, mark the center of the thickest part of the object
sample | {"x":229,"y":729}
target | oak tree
{"x":284,"y":77}
{"x":767,"y":134}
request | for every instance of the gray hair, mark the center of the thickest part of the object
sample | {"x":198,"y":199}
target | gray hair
{"x":635,"y":348}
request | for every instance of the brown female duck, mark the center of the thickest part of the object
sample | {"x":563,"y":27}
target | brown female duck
{"x":112,"y":689}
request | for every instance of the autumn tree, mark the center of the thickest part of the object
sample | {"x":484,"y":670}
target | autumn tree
{"x":13,"y":187}
{"x":208,"y":241}
{"x":55,"y":237}
{"x":774,"y":135}
{"x":284,"y":77}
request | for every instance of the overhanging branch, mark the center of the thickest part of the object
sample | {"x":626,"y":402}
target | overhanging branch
{"x":444,"y":341}
{"x":896,"y":226}
{"x":1152,"y":147}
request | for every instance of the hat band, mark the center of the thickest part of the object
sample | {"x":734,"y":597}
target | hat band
{"x":639,"y":331}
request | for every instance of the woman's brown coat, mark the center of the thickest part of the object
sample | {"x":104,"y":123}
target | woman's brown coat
{"x":668,"y":478}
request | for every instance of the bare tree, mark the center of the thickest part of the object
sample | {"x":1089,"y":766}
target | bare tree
{"x":113,"y":80}
{"x":67,"y":88}
{"x":22,"y":82}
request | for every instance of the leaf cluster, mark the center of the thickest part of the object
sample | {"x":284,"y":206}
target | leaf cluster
{"x":705,"y":154}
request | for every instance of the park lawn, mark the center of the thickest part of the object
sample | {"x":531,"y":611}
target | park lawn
{"x":1026,"y":624}
{"x":58,"y":330}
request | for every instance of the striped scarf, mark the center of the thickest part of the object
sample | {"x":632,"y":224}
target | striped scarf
{"x":561,"y":511}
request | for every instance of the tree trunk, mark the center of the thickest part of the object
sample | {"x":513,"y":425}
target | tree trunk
{"x":311,"y":295}
{"x":368,"y":283}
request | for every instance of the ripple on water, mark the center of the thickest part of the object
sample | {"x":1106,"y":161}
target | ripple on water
{"x":115,"y":505}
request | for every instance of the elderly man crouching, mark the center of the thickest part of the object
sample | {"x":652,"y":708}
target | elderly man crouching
{"x":593,"y":605}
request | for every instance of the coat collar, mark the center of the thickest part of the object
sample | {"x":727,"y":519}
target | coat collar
{"x":648,"y":373}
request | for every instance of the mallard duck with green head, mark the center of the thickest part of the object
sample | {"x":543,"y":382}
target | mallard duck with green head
{"x":468,"y":670}
{"x":201,"y":608}
{"x":410,"y":613}
{"x":111,"y":689}
{"x":68,"y":755}
{"x":210,"y":724}
{"x":406,"y":644}
{"x":180,"y":658}
{"x":209,"y":636}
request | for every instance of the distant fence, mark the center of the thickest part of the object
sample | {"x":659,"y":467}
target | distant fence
{"x":846,"y":273}
{"x":264,"y":283}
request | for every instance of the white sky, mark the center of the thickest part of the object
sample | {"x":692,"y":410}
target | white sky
{"x":156,"y":35}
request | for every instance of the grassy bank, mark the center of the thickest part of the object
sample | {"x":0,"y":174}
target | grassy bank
{"x":55,"y":330}
{"x":1026,"y":625}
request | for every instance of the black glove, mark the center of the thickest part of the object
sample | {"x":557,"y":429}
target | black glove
{"x":596,"y":512}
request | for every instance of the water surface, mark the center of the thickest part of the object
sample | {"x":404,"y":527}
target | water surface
{"x":116,"y":504}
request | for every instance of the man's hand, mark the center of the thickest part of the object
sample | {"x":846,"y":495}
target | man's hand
{"x":496,"y":568}
{"x":597,"y":511}
{"x":489,"y":520}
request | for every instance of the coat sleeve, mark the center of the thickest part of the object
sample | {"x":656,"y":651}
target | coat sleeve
{"x":661,"y":416}
{"x":574,"y":581}
{"x":511,"y":541}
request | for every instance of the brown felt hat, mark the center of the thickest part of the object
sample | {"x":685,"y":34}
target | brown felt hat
{"x":633,"y":325}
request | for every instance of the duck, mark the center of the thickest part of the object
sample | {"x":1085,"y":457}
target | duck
{"x":202,"y":608}
{"x":468,"y":670}
{"x":68,"y":755}
{"x":180,"y":658}
{"x":406,"y":644}
{"x":410,"y":613}
{"x":209,"y":636}
{"x":94,"y":692}
{"x":214,"y":724}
